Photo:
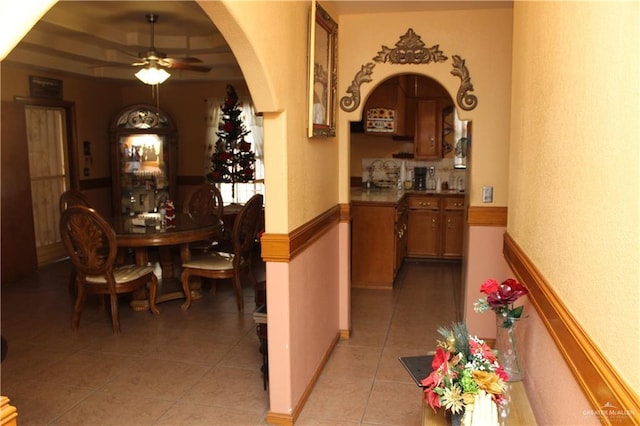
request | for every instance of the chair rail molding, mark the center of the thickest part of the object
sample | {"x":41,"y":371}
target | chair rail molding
{"x":595,"y":375}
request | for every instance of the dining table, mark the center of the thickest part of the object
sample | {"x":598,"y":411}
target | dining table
{"x":143,"y":232}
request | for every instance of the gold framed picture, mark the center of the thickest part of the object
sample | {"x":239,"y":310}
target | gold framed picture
{"x":323,"y":34}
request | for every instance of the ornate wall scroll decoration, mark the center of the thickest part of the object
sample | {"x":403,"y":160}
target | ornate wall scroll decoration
{"x":410,"y":50}
{"x":466,"y":101}
{"x":350,"y":103}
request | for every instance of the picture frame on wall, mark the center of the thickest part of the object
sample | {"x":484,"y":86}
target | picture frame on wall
{"x":43,"y":87}
{"x":323,"y":35}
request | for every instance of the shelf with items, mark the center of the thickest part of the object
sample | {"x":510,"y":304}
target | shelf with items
{"x":143,"y":160}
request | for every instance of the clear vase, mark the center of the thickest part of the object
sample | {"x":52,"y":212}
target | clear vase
{"x":510,"y":346}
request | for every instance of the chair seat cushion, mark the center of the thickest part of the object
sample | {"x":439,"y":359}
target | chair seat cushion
{"x":214,"y":261}
{"x":122,"y":274}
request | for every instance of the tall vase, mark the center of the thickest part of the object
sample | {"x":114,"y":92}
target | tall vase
{"x":510,"y":346}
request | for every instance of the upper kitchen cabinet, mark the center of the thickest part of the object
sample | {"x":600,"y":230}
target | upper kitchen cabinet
{"x":428,"y":138}
{"x":385,"y":112}
{"x":143,"y":149}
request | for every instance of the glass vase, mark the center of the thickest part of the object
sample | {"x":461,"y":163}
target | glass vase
{"x":510,"y":341}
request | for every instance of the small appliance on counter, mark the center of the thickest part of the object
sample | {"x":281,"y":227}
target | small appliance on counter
{"x":420,"y":178}
{"x":431,"y":180}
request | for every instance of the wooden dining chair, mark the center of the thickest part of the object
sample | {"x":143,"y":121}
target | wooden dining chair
{"x":73,"y":197}
{"x":68,"y":198}
{"x":90,"y":242}
{"x":221,"y":265}
{"x":200,"y":204}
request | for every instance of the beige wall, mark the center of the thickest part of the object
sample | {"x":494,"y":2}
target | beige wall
{"x":574,"y":186}
{"x":484,"y":41}
{"x":301,"y":180}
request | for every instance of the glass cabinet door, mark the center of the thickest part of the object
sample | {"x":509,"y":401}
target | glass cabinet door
{"x":144,"y":176}
{"x":143,"y":160}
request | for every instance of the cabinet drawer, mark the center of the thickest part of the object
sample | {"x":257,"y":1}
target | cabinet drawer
{"x":424,"y":203}
{"x":453,"y":203}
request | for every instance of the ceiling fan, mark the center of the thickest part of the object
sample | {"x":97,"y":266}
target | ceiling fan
{"x":154,"y":62}
{"x":153,"y":56}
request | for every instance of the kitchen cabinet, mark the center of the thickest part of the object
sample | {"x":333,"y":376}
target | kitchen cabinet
{"x":424,"y":217}
{"x":385,"y":112}
{"x":428,"y":137}
{"x":401,"y":228}
{"x":143,"y":159}
{"x":453,"y":226}
{"x":435,"y":226}
{"x":378,"y":241}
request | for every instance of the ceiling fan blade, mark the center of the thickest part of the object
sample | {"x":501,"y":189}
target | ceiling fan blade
{"x":188,"y":67}
{"x":186,"y":60}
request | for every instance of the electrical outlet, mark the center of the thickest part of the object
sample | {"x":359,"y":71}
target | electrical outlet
{"x":487,"y":194}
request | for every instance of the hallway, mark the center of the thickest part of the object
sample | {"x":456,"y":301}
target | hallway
{"x":202,"y":367}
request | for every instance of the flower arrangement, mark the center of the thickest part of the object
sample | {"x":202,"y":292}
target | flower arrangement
{"x":500,"y":298}
{"x":464,"y":368}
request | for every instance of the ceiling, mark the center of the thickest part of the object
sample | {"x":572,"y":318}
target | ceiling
{"x":103,"y":38}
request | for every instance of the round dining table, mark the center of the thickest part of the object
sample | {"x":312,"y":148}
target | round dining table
{"x":145,"y":231}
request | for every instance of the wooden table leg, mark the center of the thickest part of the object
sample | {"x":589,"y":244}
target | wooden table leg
{"x":166,"y":262}
{"x":140,"y":300}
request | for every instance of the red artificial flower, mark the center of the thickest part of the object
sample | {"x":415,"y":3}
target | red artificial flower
{"x":432,"y":398}
{"x":489,"y":286}
{"x":228,"y":102}
{"x":483,"y":348}
{"x":508,"y":292}
{"x":441,"y":357}
{"x":502,"y":374}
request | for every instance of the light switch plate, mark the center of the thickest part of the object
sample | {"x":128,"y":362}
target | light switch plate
{"x":487,"y":194}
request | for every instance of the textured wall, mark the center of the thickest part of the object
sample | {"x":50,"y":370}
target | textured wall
{"x":574,"y":185}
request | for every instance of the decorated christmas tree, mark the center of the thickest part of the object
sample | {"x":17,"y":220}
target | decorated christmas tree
{"x":232,"y":160}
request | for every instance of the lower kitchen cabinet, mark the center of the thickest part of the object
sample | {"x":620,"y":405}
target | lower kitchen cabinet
{"x":378,"y":235}
{"x":423,"y":239}
{"x":452,"y":227}
{"x":415,"y":225}
{"x":436,"y":226}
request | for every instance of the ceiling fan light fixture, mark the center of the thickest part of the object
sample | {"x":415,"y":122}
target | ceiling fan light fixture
{"x":152,"y":75}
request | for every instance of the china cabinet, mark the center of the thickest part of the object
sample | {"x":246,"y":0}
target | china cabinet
{"x":143,"y":159}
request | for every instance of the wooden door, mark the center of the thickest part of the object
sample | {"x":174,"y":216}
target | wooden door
{"x":48,"y":170}
{"x":18,"y":238}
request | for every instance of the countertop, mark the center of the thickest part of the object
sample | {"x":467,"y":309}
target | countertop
{"x":391,"y":196}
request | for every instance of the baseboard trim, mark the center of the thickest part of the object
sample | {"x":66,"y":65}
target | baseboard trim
{"x":595,"y":375}
{"x":284,"y":247}
{"x":289,"y":419}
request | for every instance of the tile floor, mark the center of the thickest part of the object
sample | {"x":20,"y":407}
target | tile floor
{"x":202,"y":367}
